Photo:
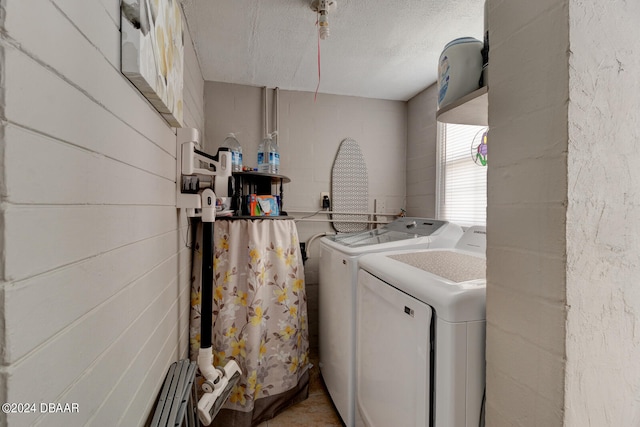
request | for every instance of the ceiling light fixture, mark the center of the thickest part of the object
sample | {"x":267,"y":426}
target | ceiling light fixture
{"x":322,"y":8}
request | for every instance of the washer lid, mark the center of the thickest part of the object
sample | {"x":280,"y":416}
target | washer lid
{"x":400,"y":229}
{"x":456,"y":267}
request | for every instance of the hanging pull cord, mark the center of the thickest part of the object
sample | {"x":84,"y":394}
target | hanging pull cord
{"x":318,"y":86}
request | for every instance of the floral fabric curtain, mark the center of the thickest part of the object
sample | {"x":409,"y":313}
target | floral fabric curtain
{"x":259,"y":316}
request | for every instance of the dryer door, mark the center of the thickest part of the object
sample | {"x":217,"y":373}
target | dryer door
{"x":393,"y":356}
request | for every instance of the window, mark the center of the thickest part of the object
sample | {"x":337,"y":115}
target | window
{"x":462,"y":174}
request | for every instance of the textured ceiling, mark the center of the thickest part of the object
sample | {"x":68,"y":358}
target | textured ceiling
{"x":386,"y":49}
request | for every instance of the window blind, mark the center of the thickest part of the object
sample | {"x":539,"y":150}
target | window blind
{"x":461,"y":183}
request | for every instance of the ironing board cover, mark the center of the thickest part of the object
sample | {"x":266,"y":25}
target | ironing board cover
{"x":349,"y":187}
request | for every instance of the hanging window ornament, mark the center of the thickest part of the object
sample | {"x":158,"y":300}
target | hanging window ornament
{"x":479,"y":148}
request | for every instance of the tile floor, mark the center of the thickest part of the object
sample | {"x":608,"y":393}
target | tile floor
{"x":316,"y":411}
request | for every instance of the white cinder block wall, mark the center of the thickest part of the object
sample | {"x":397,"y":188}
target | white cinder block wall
{"x":95,"y":285}
{"x":422,"y":142}
{"x":526,"y":213}
{"x":563,"y":300}
{"x":310,"y":133}
{"x":602,"y":380}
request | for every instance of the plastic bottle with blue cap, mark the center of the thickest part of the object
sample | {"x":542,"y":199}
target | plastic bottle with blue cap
{"x":274,"y":153}
{"x":263,"y":154}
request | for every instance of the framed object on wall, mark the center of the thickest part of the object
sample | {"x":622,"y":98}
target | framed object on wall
{"x":153,"y":53}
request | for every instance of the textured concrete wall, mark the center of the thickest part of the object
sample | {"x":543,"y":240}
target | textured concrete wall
{"x":603,"y":218}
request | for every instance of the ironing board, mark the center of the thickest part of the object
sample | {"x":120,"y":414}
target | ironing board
{"x":349,"y":187}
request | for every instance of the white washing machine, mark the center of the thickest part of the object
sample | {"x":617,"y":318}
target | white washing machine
{"x":420,"y":352}
{"x":338,"y":272}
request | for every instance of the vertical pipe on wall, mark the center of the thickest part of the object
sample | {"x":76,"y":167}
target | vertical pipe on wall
{"x":266,"y":113}
{"x":276,"y":112}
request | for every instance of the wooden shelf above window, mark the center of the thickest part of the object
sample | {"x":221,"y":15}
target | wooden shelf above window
{"x":471,"y":109}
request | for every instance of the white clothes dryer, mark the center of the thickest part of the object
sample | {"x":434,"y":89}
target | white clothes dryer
{"x":338,"y":271}
{"x":420,"y":353}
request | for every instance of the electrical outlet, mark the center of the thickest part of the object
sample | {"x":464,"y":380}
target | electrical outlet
{"x":322,"y":198}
